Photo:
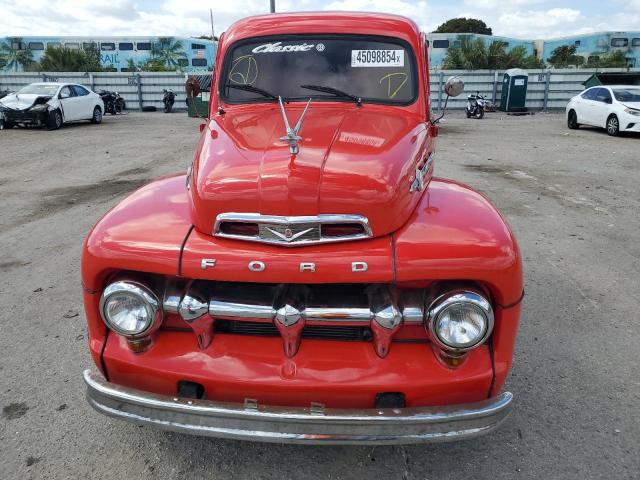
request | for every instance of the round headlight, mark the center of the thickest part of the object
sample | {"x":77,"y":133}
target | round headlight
{"x":130,"y":309}
{"x":460,"y":321}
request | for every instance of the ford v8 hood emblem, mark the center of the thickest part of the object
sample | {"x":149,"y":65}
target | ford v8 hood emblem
{"x":292,"y":137}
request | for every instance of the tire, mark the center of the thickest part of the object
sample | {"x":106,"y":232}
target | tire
{"x":119,"y":107}
{"x":55,"y":120}
{"x":613,"y":126}
{"x":5,"y":125}
{"x":572,"y":120}
{"x":166,"y":107}
{"x":97,"y":115}
{"x":468,"y":114}
{"x":480,"y":114}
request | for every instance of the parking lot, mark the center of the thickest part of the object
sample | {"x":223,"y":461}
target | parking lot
{"x":572,"y":198}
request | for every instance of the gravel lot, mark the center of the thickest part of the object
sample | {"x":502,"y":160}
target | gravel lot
{"x":571,"y":196}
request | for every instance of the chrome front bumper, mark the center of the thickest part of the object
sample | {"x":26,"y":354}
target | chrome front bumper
{"x":297,"y":425}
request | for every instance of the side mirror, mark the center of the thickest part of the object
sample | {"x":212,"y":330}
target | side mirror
{"x":453,"y":87}
{"x":63,"y":95}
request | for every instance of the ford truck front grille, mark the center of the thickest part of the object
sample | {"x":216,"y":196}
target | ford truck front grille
{"x":343,"y":312}
{"x":291,"y":231}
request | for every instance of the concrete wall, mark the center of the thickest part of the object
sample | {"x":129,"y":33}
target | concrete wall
{"x":548,"y":89}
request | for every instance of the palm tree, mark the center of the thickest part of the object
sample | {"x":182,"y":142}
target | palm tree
{"x":168,"y":51}
{"x":11,"y":57}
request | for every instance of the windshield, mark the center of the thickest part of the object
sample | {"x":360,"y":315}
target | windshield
{"x":375,"y":69}
{"x":627,"y":94}
{"x":38,"y":89}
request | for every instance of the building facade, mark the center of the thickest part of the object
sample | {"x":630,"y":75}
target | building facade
{"x":117,"y":54}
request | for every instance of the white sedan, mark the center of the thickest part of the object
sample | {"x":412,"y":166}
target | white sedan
{"x":614,"y":107}
{"x":50,"y":104}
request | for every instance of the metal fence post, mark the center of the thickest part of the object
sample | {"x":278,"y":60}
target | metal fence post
{"x":139,"y":91}
{"x":495,"y":88}
{"x":440,"y":80}
{"x":547,"y":81}
{"x":92,"y":82}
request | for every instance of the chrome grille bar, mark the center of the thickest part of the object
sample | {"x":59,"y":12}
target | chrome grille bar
{"x":289,"y":308}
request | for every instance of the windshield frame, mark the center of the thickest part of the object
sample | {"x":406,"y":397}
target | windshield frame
{"x":318,"y":96}
{"x":20,"y":92}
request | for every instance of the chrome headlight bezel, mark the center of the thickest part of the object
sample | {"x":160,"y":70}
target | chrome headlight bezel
{"x":454,"y":299}
{"x":140,"y":292}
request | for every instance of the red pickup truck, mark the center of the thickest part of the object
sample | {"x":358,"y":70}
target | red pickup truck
{"x":308,"y":280}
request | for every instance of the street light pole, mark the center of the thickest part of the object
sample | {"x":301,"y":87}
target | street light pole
{"x":273,"y":6}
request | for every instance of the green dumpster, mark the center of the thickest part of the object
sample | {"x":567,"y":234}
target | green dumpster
{"x":514,"y":90}
{"x":197,"y":107}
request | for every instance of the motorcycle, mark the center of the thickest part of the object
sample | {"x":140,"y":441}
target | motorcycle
{"x":113,"y":102}
{"x":169,"y":98}
{"x":475,"y":106}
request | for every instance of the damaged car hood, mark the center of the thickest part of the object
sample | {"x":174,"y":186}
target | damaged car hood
{"x":23,"y":101}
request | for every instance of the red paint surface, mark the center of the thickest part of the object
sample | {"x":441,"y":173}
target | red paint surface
{"x":338,"y":374}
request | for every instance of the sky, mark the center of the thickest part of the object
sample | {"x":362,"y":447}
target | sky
{"x":513,"y":18}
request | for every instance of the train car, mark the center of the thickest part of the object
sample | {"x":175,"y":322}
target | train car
{"x":117,"y":54}
{"x":440,"y":42}
{"x":594,"y":45}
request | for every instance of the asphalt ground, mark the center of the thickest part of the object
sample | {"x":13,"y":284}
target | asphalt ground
{"x":572,"y":198}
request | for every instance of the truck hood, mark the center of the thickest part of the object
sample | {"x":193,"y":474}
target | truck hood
{"x":23,"y":101}
{"x":352,"y":160}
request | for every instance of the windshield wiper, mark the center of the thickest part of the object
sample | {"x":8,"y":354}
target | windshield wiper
{"x":251,"y":88}
{"x":334,"y":91}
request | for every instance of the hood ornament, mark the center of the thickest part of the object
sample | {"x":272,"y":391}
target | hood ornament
{"x":292,"y":138}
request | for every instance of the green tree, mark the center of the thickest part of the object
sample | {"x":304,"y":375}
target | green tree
{"x":565,"y":56}
{"x":464,"y":25}
{"x":14,"y":58}
{"x":60,"y":59}
{"x":169,"y":52}
{"x":611,"y":60}
{"x":154,"y":65}
{"x":131,"y":65}
{"x":474,"y":54}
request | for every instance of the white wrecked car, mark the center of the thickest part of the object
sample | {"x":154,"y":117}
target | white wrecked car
{"x":50,"y":104}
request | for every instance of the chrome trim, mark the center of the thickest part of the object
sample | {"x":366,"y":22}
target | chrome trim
{"x":192,"y":308}
{"x":311,"y":425}
{"x":454,"y":298}
{"x":418,"y":183}
{"x":337,"y":314}
{"x":258,"y":304}
{"x":291,"y":137}
{"x":233,"y":310}
{"x":148,"y":297}
{"x":313,"y":222}
{"x":357,"y":267}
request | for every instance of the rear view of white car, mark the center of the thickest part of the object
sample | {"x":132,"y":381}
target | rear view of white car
{"x":615,"y":108}
{"x":51,"y":105}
